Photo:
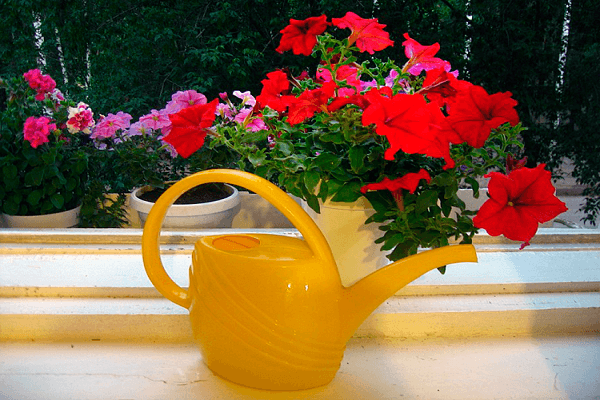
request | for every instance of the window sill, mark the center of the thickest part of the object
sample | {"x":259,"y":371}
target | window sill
{"x":530,"y":319}
{"x":76,"y":284}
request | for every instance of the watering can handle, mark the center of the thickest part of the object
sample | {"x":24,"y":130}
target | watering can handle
{"x":278,"y":198}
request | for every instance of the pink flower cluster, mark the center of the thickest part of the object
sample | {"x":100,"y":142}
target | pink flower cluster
{"x":81,"y":119}
{"x":108,"y":126}
{"x":37,"y":130}
{"x":158,"y":120}
{"x":244,"y":115}
{"x":42,"y":84}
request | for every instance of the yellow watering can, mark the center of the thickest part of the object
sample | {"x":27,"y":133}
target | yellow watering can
{"x":269,"y":311}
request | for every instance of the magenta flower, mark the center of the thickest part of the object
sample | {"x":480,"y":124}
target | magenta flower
{"x":108,"y":126}
{"x":156,"y":119}
{"x":184,"y":99}
{"x":37,"y":130}
{"x":42,"y":84}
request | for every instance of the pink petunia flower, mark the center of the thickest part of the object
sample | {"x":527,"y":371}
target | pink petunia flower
{"x":244,"y":117}
{"x":156,"y":119}
{"x":224,"y":111}
{"x":184,"y":99}
{"x":37,"y":130}
{"x":246,"y":97}
{"x":108,"y":126}
{"x":138,"y":128}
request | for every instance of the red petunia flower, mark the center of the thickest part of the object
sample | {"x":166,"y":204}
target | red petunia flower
{"x":339,"y":102}
{"x":474,"y":113}
{"x":421,"y":58}
{"x":367,"y":33}
{"x":300,"y":36}
{"x":309,"y":102}
{"x":404,"y":120}
{"x":438,"y":86}
{"x":518,"y":202}
{"x":189,"y":127}
{"x":274,"y":90}
{"x":409,"y":182}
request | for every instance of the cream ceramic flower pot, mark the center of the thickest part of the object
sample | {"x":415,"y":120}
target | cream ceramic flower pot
{"x":352,"y":241}
{"x":65,"y":219}
{"x":214,"y":214}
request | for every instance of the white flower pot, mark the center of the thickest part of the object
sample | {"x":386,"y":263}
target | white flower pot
{"x":214,"y":214}
{"x":352,"y":242}
{"x":64,"y":219}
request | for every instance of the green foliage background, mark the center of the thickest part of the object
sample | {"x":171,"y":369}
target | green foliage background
{"x":140,"y":52}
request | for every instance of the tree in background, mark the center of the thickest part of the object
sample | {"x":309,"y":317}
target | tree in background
{"x":133,"y":55}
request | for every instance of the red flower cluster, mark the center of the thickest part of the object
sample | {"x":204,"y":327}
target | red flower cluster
{"x":445,"y":111}
{"x":42,"y":84}
{"x":412,"y":123}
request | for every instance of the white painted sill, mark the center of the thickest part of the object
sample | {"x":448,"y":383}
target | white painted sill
{"x":84,"y":284}
{"x":79,"y":319}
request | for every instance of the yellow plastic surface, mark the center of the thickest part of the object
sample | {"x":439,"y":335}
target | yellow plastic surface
{"x":270,"y":311}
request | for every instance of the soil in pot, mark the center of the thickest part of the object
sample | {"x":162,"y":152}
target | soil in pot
{"x":200,"y":194}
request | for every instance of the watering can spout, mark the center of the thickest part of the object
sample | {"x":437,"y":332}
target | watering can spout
{"x":361,"y":299}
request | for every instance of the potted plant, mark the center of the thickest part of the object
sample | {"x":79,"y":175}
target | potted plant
{"x":152,"y":165}
{"x":43,"y":153}
{"x":401,"y":137}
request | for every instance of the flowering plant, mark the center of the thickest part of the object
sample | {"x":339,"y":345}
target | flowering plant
{"x":141,"y":148}
{"x":406,"y":137}
{"x":42,"y":138}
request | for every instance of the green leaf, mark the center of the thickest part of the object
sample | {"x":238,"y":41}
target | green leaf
{"x":348,"y":192}
{"x":34,"y":177}
{"x":71,"y":184}
{"x":9,"y":172}
{"x":34,"y":197}
{"x":257,"y":159}
{"x":357,"y":158}
{"x":326,"y":161}
{"x":335,"y":137}
{"x":381,"y":200}
{"x":474,"y":184}
{"x":9,"y":207}
{"x":311,"y":180}
{"x":49,"y":158}
{"x":313,"y":202}
{"x":425,"y":200}
{"x":57,"y":200}
{"x":286,"y":148}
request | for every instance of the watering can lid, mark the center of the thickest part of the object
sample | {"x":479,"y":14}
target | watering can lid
{"x":263,"y":246}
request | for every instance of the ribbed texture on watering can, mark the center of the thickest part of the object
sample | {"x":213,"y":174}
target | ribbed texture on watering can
{"x":253,"y":346}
